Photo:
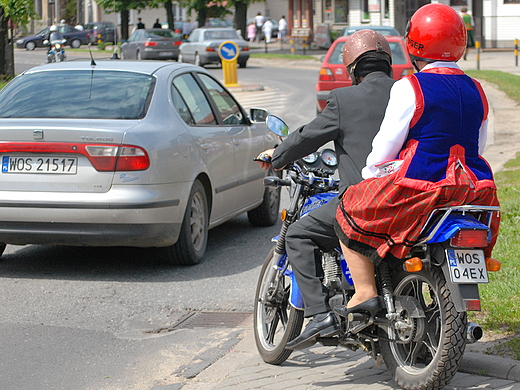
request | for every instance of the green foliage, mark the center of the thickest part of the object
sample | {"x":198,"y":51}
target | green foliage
{"x":19,"y":11}
{"x":122,"y":5}
{"x":101,"y":45}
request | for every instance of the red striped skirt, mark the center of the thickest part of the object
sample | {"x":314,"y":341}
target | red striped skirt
{"x":378,"y":218}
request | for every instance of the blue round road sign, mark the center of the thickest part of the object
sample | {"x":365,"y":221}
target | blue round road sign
{"x":228,"y":51}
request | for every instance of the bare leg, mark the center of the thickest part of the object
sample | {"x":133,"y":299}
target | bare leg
{"x":362,"y":272}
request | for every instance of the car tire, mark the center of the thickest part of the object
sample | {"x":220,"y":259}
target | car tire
{"x":193,"y":237}
{"x":75,"y":43}
{"x":268,"y":212}
{"x":242,"y":64}
{"x":31,"y":45}
{"x":138,"y":55}
{"x":179,"y":58}
{"x":198,"y":61}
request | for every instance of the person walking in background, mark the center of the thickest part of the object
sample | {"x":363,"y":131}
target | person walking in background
{"x":267,"y":29}
{"x":468,"y":22}
{"x":251,"y":31}
{"x":140,"y":24}
{"x":186,"y":29}
{"x":157,"y":24}
{"x":259,"y":22}
{"x":282,"y":28}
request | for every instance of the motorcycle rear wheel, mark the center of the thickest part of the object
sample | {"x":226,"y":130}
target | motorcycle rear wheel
{"x":429,"y":361}
{"x":276,"y":322}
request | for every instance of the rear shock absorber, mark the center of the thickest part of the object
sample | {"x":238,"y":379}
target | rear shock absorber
{"x":386,"y":289}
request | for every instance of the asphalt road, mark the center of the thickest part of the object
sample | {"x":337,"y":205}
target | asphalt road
{"x":102,"y":318}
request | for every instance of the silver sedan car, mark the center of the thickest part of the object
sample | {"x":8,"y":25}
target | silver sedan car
{"x":128,"y":153}
{"x":201,"y":48}
{"x":152,"y":44}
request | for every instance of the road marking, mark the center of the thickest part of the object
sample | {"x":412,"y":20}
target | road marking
{"x":270,"y":99}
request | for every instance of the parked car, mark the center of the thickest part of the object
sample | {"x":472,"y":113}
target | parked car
{"x":333,"y":73}
{"x":383,"y":30}
{"x":75,"y":38}
{"x":101,"y":31}
{"x":129,"y":153}
{"x":152,"y":44}
{"x":201,"y":47}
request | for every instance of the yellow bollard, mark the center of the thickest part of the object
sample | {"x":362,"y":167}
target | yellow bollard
{"x":292,"y":45}
{"x":516,"y":52}
{"x":228,"y":52}
{"x":477,"y":46}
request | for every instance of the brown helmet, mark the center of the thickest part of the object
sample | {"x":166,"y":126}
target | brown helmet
{"x":365,"y":44}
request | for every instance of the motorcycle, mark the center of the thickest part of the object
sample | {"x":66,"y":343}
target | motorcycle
{"x":57,"y":50}
{"x":423,"y":329}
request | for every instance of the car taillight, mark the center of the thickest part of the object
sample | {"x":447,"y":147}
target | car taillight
{"x":176,"y":43}
{"x":103,"y":157}
{"x":148,"y":43}
{"x":245,"y":49}
{"x":117,"y":158}
{"x":470,"y":239}
{"x":326,"y":75}
{"x":210,"y":49}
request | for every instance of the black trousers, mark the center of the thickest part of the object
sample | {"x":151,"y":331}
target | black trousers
{"x":304,"y":239}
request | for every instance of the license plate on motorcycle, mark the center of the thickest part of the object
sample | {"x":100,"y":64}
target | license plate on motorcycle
{"x":467,"y":265}
{"x":50,"y":164}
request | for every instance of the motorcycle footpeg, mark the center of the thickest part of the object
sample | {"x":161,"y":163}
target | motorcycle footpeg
{"x":328,"y":341}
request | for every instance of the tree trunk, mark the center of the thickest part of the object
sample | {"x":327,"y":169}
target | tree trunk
{"x":201,"y":19}
{"x":125,"y":18}
{"x":6,"y":69}
{"x":169,"y":14}
{"x":241,"y":17}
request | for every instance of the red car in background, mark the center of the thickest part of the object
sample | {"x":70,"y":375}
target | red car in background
{"x":333,"y":74}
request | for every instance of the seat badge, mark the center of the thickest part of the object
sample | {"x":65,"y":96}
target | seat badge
{"x":38,"y":134}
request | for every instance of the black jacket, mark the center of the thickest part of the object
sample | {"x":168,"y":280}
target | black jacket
{"x":351,"y":119}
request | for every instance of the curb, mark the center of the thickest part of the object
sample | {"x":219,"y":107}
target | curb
{"x":489,"y":365}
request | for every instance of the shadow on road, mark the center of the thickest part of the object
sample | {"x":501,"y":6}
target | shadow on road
{"x":233,"y":247}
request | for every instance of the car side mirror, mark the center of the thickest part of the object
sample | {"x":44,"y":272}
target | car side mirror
{"x":258,"y":115}
{"x":46,"y":42}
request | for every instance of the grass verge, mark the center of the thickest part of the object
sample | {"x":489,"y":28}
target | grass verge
{"x":501,"y":297}
{"x":283,"y":56}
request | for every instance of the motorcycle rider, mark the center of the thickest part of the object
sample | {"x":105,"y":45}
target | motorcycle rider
{"x":351,"y":119}
{"x":436,"y":125}
{"x":55,"y":36}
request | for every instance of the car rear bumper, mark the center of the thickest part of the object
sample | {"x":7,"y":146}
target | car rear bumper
{"x":160,"y":54}
{"x":124,"y":216}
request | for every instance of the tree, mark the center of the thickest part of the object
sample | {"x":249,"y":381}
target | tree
{"x":240,"y":20}
{"x":12,"y":12}
{"x":123,"y":7}
{"x":206,"y":9}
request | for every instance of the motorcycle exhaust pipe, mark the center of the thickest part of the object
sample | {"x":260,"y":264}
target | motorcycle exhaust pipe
{"x":474,"y":333}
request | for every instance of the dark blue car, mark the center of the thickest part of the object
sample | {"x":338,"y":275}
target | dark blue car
{"x":75,"y":38}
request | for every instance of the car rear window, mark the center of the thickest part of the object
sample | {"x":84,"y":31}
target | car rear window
{"x":222,"y":34}
{"x":88,"y":94}
{"x":163,"y":34}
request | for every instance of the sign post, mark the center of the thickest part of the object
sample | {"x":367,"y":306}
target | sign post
{"x":228,"y":52}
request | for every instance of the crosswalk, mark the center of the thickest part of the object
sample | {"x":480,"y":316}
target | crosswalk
{"x":271,"y":99}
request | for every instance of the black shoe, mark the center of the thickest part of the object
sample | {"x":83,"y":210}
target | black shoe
{"x":371,"y":306}
{"x":322,"y":325}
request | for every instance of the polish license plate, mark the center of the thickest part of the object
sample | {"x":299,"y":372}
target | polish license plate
{"x":49,"y":164}
{"x":467,"y":265}
{"x":165,"y":54}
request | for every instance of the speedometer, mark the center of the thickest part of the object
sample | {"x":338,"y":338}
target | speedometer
{"x":311,"y":158}
{"x":328,"y":156}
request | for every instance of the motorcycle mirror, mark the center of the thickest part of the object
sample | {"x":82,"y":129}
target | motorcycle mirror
{"x":277,"y":125}
{"x":46,"y":42}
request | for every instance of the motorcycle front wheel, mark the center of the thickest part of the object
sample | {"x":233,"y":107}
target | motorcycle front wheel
{"x":428,"y":356}
{"x":276,"y":322}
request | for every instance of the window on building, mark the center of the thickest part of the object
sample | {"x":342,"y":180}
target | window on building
{"x":458,"y":2}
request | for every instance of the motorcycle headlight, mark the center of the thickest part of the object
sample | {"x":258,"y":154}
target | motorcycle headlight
{"x":58,"y":46}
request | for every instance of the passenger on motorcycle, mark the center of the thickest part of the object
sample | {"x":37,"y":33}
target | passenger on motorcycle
{"x":426,"y":155}
{"x":351,"y":119}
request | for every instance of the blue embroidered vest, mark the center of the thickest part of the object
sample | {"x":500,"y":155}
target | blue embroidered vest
{"x":444,"y":132}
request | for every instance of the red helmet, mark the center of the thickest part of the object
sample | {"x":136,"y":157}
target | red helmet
{"x":436,"y":32}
